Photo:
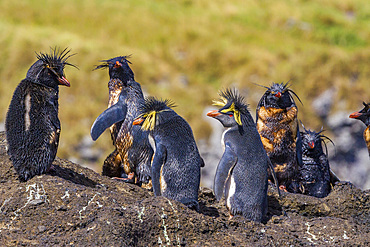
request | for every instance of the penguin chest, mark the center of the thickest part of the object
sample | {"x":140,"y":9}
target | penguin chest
{"x":115,"y":89}
{"x":277,"y":128}
{"x":123,"y":144}
{"x":367,"y":137}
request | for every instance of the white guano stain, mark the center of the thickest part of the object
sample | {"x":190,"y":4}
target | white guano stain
{"x":36,"y":195}
{"x":165,"y":233}
{"x":141,"y":213}
{"x":66,"y":194}
{"x":5,"y":201}
{"x":308,"y":232}
{"x":88,"y":203}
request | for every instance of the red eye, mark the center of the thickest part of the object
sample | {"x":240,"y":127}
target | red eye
{"x":230,"y":115}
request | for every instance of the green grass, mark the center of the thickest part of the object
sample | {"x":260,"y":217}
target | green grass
{"x":188,"y":50}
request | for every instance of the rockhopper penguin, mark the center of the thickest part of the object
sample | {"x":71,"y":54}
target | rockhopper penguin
{"x":364,"y":116}
{"x":277,"y":125}
{"x":241,"y":174}
{"x":32,"y":123}
{"x":132,"y":155}
{"x":315,"y":178}
{"x":176,"y":163}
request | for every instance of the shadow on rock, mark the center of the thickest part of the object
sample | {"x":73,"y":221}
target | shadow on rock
{"x":71,"y":175}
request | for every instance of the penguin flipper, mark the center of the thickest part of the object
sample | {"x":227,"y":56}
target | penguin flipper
{"x":333,"y":177}
{"x":110,"y":116}
{"x":228,"y":160}
{"x":274,"y":177}
{"x":159,"y":159}
{"x":299,"y":147}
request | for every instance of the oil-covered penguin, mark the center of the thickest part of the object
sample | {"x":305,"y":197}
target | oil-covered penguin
{"x":364,"y":116}
{"x":32,"y":124}
{"x":132,"y":155}
{"x":176,"y":162}
{"x":242,"y":173}
{"x":278,"y":126}
{"x":316,"y":178}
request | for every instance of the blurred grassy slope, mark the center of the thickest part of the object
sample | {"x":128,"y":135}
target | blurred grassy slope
{"x":188,"y":50}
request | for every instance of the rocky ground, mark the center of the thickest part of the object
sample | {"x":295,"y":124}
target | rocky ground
{"x":74,"y":206}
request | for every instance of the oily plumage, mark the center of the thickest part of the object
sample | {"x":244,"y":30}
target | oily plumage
{"x":242,"y":171}
{"x":364,"y":116}
{"x":277,"y":125}
{"x":132,"y":154}
{"x":315,"y":176}
{"x":176,"y":163}
{"x":32,"y":123}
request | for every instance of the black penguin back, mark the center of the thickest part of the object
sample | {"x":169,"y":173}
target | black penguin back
{"x":32,"y":129}
{"x":176,"y":163}
{"x":314,"y":176}
{"x":32,"y":123}
{"x":182,"y":169}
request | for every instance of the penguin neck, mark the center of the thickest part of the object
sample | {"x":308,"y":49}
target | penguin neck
{"x":312,"y":154}
{"x":247,"y":122}
{"x":367,"y":137}
{"x":53,"y":89}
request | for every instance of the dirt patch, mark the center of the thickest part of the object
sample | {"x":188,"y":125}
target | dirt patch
{"x":74,"y":206}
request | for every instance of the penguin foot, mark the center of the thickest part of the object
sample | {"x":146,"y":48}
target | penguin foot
{"x":129,"y":179}
{"x":231,"y":216}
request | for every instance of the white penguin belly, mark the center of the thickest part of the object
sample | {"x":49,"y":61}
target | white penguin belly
{"x":231,"y":192}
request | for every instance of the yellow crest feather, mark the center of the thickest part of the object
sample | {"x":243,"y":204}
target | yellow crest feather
{"x":149,"y":121}
{"x":221,"y":103}
{"x":236,"y":113}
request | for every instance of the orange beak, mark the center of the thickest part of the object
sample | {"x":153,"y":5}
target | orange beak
{"x":278,"y":95}
{"x":214,"y":113}
{"x":355,"y":115}
{"x":63,"y":81}
{"x":311,"y":145}
{"x":138,"y":121}
{"x":117,"y":65}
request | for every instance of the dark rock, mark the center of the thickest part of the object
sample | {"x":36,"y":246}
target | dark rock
{"x":73,"y":205}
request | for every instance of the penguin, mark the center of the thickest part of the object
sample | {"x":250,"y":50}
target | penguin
{"x":278,"y":127}
{"x":176,"y":162}
{"x":32,"y":125}
{"x":316,"y":178}
{"x":241,"y":174}
{"x":364,"y":116}
{"x":131,"y":158}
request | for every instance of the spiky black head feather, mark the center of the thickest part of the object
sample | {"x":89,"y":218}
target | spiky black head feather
{"x":363,"y":115}
{"x":311,"y":141}
{"x":48,"y":70}
{"x":231,"y":102}
{"x":56,"y":59}
{"x":154,"y":104}
{"x":278,"y":95}
{"x":152,"y":111}
{"x":118,"y":68}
